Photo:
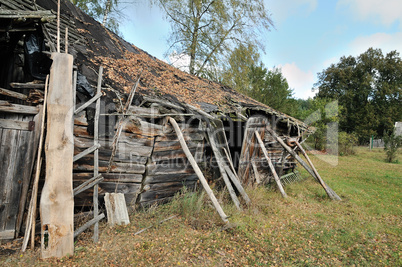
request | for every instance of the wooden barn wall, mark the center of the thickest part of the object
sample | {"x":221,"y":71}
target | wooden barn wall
{"x":149,"y":164}
{"x":251,"y":151}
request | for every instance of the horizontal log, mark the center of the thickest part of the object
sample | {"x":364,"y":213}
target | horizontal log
{"x":170,"y":154}
{"x":110,"y":177}
{"x":173,"y":145}
{"x":142,"y":110}
{"x":104,"y":154}
{"x":170,"y":178}
{"x":16,"y":125}
{"x":27,"y":85}
{"x":164,"y":192}
{"x":6,"y":106}
{"x":116,"y":167}
{"x":80,"y":119}
{"x":161,"y":168}
{"x":12,"y":94}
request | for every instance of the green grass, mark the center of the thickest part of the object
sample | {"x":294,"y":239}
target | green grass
{"x":307,"y":229}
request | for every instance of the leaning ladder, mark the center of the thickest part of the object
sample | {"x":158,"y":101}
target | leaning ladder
{"x":97,"y":178}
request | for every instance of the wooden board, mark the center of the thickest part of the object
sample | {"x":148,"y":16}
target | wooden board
{"x":57,"y":202}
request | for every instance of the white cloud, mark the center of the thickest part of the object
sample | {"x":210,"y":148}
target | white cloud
{"x":385,"y":12}
{"x":286,"y":8}
{"x":299,"y":80}
{"x":180,"y":61}
{"x":387,"y":43}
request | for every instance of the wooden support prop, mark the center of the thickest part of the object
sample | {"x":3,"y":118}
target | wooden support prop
{"x":30,"y":220}
{"x":88,"y":224}
{"x":88,"y":184}
{"x":329,"y":191}
{"x":256,"y":173}
{"x":271,"y":166}
{"x":84,"y":106}
{"x":86,"y":152}
{"x":116,"y":209}
{"x":198,"y":171}
{"x":237,"y":183}
{"x":222,"y":170}
{"x":57,"y":201}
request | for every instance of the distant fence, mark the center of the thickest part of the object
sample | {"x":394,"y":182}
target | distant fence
{"x":378,"y":143}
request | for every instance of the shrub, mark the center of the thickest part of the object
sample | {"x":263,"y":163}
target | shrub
{"x":391,"y":145}
{"x":346,"y":143}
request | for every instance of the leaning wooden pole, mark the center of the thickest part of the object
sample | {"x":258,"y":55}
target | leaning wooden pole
{"x":198,"y":171}
{"x":328,"y":190}
{"x":271,"y":166}
{"x":57,"y":201}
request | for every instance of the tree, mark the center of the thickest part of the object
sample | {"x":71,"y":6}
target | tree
{"x":271,"y":88}
{"x":369,"y":88}
{"x":240,"y":62}
{"x":107,"y":12}
{"x":208,"y":30}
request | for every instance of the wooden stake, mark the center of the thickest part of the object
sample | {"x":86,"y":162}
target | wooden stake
{"x":271,"y":166}
{"x":58,"y":26}
{"x":30,"y":221}
{"x":330,"y":193}
{"x":198,"y":171}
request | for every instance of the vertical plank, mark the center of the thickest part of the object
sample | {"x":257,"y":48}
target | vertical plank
{"x":57,"y":202}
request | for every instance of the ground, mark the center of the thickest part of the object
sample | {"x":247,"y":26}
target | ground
{"x":306,"y":229}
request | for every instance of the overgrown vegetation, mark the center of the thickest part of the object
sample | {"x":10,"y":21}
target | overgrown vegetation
{"x":306,"y":229}
{"x":391,"y":145}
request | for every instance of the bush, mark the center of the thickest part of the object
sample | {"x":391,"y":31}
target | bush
{"x":391,"y":145}
{"x":346,"y":143}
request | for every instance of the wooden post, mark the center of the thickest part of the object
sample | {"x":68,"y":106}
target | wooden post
{"x":198,"y":171}
{"x":96,"y":155}
{"x":271,"y":166}
{"x":327,"y":189}
{"x":317,"y":175}
{"x":57,"y":202}
{"x":222,"y":170}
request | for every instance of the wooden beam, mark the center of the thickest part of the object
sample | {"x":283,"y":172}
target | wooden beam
{"x":198,"y":171}
{"x":271,"y":166}
{"x":6,"y":106}
{"x":13,"y":94}
{"x":88,"y":224}
{"x":329,"y":191}
{"x":27,"y":85}
{"x":57,"y":202}
{"x":331,"y":194}
{"x":16,"y":125}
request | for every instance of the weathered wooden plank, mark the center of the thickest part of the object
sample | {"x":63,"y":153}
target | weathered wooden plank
{"x":6,"y":106}
{"x":173,"y":177}
{"x":143,"y":128}
{"x":163,"y":193}
{"x":172,"y":145}
{"x":27,"y":85}
{"x":130,"y":191}
{"x":16,"y":125}
{"x":110,"y":177}
{"x":7,"y":234}
{"x":57,"y":203}
{"x":116,"y":209}
{"x":116,"y":167}
{"x":166,"y":168}
{"x":170,"y":154}
{"x":104,"y":154}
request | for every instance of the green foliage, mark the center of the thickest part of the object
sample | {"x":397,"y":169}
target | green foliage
{"x":346,"y":143}
{"x":108,"y":12}
{"x":369,"y":87}
{"x":391,"y":145}
{"x":208,"y":31}
{"x":270,"y":87}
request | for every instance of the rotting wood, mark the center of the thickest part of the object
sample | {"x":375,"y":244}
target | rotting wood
{"x":162,"y":102}
{"x":27,"y":85}
{"x":6,"y":106}
{"x":221,"y":163}
{"x":329,"y":191}
{"x":198,"y":171}
{"x":237,"y":183}
{"x":88,"y":103}
{"x":271,"y":166}
{"x":256,"y":173}
{"x":86,"y":152}
{"x":116,"y":209}
{"x":13,"y":94}
{"x":88,"y":184}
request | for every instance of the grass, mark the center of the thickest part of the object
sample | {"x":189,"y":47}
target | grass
{"x":307,"y":229}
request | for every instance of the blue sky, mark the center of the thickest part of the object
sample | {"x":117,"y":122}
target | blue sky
{"x":309,"y":35}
